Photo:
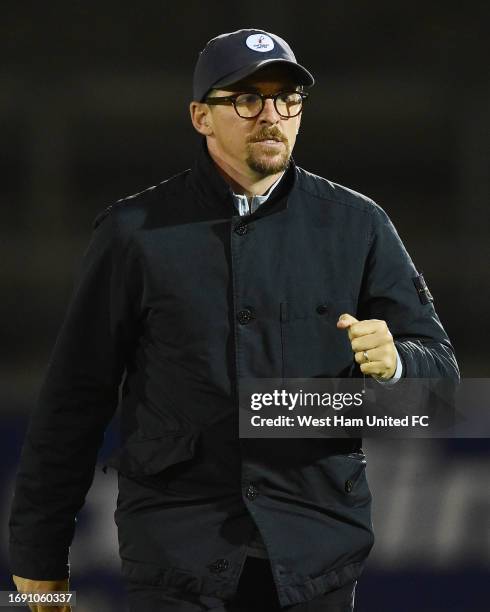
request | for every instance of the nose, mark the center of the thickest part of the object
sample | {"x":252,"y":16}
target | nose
{"x":269,"y":113}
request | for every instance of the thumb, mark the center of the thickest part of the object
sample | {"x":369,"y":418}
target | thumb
{"x":346,"y":320}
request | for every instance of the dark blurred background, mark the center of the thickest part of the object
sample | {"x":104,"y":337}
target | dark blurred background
{"x":94,"y":106}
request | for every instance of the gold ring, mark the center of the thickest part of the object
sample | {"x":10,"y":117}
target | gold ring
{"x":365,"y":355}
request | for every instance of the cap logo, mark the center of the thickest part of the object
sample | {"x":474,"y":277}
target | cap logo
{"x":260,"y":42}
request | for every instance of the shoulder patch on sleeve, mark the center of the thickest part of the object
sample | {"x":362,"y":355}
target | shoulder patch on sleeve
{"x":423,"y":292}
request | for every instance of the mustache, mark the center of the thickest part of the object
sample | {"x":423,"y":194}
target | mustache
{"x":269,"y":134}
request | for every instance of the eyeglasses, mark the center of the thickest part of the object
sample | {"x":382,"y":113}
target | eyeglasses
{"x":249,"y":105}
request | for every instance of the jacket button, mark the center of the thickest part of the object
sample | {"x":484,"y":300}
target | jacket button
{"x":252,"y":492}
{"x":245,"y":316}
{"x":241,"y":229}
{"x":348,"y":486}
{"x":220,"y":565}
{"x":322,"y":309}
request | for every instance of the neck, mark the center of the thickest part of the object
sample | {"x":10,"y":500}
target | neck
{"x":243,"y":182}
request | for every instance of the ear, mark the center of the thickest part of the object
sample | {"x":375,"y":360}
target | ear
{"x":201,"y":118}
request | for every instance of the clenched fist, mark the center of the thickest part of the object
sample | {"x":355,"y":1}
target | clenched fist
{"x":372,"y":344}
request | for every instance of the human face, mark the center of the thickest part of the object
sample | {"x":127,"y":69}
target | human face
{"x":260,"y":146}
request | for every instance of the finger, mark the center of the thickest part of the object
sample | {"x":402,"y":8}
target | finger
{"x":367,"y":326}
{"x":346,"y":320}
{"x":360,"y":357}
{"x":376,"y":354}
{"x":373,"y":368}
{"x":368,"y":342}
{"x":381,"y":369}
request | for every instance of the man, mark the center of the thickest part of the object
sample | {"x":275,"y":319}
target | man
{"x":244,"y":266}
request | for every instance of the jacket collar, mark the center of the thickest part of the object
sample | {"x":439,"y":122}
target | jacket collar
{"x":216,"y":195}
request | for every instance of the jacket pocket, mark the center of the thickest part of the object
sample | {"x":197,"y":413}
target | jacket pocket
{"x":311,"y":344}
{"x":344,"y":477}
{"x":150,"y":455}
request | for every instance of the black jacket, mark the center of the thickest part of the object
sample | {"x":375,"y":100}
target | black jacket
{"x":178,"y":298}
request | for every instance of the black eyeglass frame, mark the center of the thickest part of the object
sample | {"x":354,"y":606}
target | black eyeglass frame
{"x":231,"y":100}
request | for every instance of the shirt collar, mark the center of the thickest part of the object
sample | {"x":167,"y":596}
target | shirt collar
{"x":249,"y":204}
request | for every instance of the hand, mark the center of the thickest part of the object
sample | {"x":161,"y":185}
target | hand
{"x":26,"y":585}
{"x":373,"y":337}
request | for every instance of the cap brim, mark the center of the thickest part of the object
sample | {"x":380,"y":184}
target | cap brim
{"x":303,"y":76}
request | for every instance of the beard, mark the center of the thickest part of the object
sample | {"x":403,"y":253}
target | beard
{"x":264,"y":159}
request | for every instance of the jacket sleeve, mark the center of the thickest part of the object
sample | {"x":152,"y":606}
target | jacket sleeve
{"x":393,"y":290}
{"x":77,"y":399}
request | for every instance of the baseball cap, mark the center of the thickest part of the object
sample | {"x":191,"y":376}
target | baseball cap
{"x":230,"y":57}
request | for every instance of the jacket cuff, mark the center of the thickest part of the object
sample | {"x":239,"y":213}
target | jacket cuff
{"x":408,"y":351}
{"x":38,"y":563}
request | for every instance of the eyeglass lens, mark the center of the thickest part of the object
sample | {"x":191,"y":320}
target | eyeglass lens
{"x":287,"y":104}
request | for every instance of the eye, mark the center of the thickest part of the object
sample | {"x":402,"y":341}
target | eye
{"x":248,"y":99}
